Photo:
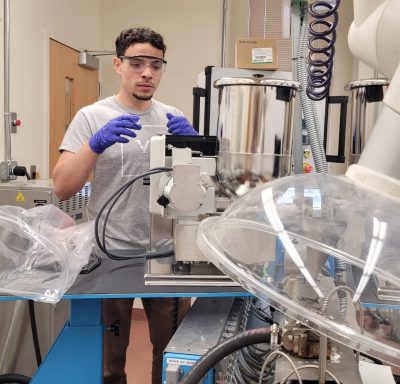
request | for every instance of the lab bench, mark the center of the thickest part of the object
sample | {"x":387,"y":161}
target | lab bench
{"x":76,"y":356}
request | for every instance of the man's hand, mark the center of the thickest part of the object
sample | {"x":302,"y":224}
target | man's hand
{"x":112,"y":133}
{"x":179,"y":125}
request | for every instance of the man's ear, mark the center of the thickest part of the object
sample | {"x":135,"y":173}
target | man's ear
{"x":117,"y":62}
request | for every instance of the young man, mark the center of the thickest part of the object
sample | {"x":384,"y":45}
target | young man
{"x":111,"y":139}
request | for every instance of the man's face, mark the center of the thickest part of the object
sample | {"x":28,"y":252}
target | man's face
{"x":140,"y":70}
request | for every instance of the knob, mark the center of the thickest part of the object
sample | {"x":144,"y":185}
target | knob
{"x":307,"y":168}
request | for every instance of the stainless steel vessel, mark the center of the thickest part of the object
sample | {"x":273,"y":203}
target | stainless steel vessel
{"x":255,"y":131}
{"x":366,"y":103}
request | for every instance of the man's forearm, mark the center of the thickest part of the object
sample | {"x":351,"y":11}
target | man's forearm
{"x":72,"y":171}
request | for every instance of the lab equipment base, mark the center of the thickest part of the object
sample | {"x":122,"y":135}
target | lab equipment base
{"x":201,"y":274}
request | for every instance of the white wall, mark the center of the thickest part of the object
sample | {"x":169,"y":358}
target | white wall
{"x":75,"y":23}
{"x":237,"y":26}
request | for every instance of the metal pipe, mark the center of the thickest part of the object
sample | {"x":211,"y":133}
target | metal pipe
{"x":7,"y":116}
{"x":323,"y":348}
{"x":223,"y":42}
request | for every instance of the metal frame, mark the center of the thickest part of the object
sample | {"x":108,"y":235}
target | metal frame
{"x":77,"y":354}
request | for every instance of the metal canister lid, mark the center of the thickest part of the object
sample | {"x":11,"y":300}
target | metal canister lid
{"x":365,"y":83}
{"x":256,"y":81}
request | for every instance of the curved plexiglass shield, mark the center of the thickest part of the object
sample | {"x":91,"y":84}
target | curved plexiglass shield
{"x":320,"y":249}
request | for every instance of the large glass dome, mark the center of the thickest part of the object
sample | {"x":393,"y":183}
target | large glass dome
{"x":322,"y":250}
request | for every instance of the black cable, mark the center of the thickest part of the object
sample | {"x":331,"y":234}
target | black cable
{"x":246,"y":377}
{"x":261,"y":315}
{"x":235,"y":379}
{"x":247,"y":358}
{"x":246,"y":370}
{"x":13,"y":378}
{"x":257,"y":315}
{"x":145,"y":255}
{"x":35,"y":337}
{"x":238,"y":378}
{"x":256,"y":349}
{"x":228,"y":346}
{"x":252,"y":361}
{"x":115,"y":196}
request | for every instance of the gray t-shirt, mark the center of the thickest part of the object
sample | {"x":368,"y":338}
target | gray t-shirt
{"x":128,"y":224}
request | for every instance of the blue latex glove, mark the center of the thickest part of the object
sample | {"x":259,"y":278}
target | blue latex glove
{"x":112,"y":133}
{"x":179,"y":125}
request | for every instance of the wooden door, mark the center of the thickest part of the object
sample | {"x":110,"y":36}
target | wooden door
{"x":71,"y":88}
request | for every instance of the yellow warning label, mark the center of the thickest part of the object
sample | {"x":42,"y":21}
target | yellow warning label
{"x":20,"y":197}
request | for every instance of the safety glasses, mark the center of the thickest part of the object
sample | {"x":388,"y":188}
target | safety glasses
{"x":139,"y":63}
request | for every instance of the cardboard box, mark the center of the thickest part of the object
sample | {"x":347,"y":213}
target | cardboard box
{"x":256,"y":54}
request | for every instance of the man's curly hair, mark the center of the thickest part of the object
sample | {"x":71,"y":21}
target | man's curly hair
{"x":132,"y":36}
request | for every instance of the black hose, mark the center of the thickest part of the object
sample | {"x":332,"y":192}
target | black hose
{"x":321,"y":46}
{"x":35,"y":336}
{"x":220,"y":351}
{"x":13,"y":378}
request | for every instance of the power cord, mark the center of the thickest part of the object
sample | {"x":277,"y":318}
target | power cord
{"x":35,"y":337}
{"x":101,"y":242}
